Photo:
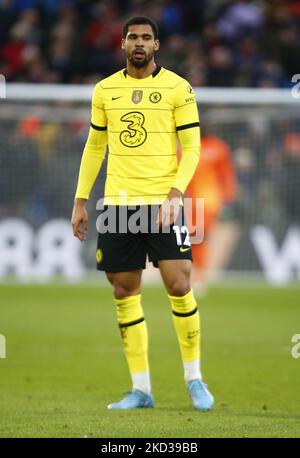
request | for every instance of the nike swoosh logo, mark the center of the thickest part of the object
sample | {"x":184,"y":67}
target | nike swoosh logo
{"x":115,"y":98}
{"x":184,"y":249}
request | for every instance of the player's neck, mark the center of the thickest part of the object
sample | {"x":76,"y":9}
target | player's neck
{"x":142,"y":72}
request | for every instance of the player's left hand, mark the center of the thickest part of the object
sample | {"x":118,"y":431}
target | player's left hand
{"x":169,"y":209}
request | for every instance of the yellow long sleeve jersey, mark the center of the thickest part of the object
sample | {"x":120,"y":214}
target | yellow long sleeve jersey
{"x":140,"y":120}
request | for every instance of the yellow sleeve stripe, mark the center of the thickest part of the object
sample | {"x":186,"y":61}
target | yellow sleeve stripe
{"x":98,"y":127}
{"x":188,"y":126}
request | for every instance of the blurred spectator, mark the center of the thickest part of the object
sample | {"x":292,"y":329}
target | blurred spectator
{"x":239,"y":18}
{"x":220,"y":43}
{"x":221,"y":67}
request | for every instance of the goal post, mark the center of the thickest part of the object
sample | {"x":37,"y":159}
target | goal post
{"x":43,"y":131}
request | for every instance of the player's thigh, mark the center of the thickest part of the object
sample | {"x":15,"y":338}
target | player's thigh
{"x":176,"y":275}
{"x":125,"y":283}
{"x":169,"y":243}
{"x":121,"y":252}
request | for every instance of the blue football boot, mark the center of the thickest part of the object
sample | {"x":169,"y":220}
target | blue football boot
{"x":135,"y":399}
{"x":202,"y":399}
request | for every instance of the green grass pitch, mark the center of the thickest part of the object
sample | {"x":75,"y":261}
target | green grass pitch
{"x":64,"y":364}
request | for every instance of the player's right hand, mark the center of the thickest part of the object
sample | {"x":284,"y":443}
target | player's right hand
{"x":80,"y":219}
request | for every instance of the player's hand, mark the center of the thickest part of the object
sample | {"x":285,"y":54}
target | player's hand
{"x":80,"y":219}
{"x":169,"y":210}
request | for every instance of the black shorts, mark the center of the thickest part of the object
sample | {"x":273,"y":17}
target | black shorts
{"x":126,"y":236}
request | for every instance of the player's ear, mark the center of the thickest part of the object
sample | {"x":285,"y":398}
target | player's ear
{"x":123,"y":43}
{"x":156,"y":45}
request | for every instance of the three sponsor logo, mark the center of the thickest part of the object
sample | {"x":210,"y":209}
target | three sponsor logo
{"x":135,"y":134}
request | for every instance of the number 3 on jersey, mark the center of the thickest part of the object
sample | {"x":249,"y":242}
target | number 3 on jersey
{"x":135,"y":134}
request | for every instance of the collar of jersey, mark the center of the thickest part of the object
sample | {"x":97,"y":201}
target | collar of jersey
{"x":153,"y":75}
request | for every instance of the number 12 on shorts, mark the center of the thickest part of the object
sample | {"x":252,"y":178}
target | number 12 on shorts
{"x":180,"y":233}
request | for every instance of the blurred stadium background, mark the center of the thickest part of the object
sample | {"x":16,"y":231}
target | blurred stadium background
{"x":242,"y":57}
{"x":72,"y":44}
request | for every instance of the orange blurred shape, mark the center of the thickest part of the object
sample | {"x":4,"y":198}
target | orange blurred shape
{"x":30,"y":125}
{"x":292,"y":144}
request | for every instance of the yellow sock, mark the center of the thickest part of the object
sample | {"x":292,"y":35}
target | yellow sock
{"x":134,"y":333}
{"x":187,"y":325}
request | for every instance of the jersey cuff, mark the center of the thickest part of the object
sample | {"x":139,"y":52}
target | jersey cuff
{"x":188,"y":126}
{"x":98,"y":127}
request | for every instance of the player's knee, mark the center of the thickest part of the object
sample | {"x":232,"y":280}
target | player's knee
{"x":179,"y":287}
{"x":122,"y":291}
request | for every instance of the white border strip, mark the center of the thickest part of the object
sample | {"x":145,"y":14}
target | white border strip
{"x":55,"y":92}
{"x":83,"y":93}
{"x":239,"y":96}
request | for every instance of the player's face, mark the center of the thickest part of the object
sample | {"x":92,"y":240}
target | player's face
{"x":139,"y":44}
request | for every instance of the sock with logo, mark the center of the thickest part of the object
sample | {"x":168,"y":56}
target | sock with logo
{"x":187,"y":325}
{"x":135,"y":340}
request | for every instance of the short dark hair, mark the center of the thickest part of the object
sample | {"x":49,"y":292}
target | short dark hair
{"x":137,"y":20}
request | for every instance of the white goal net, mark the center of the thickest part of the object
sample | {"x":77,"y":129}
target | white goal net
{"x":43,"y":130}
